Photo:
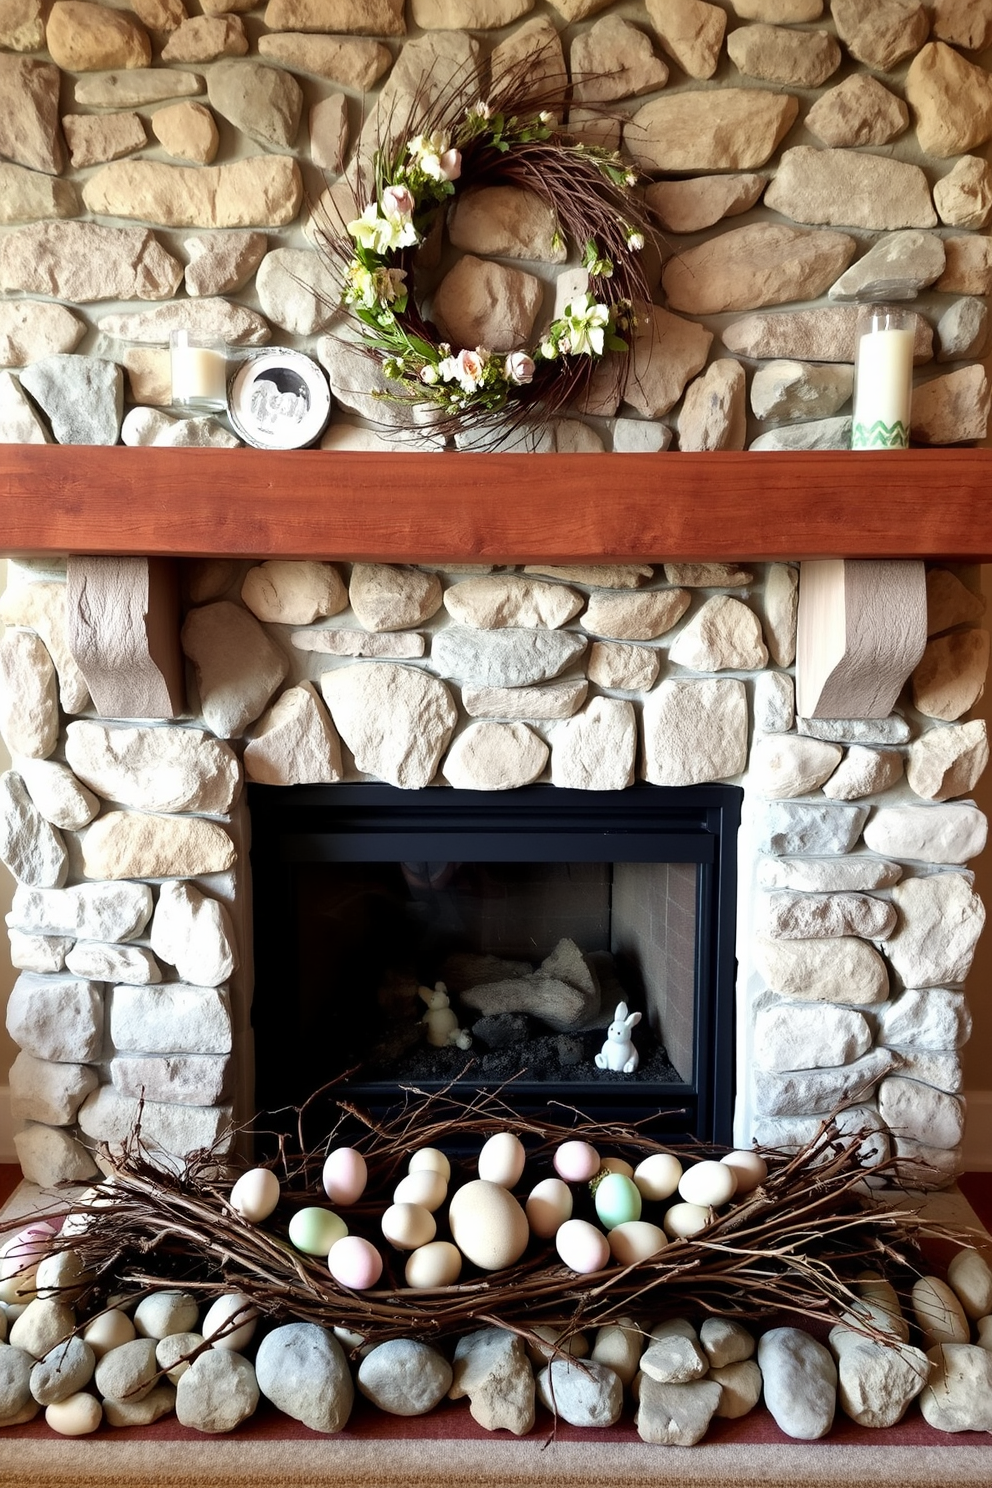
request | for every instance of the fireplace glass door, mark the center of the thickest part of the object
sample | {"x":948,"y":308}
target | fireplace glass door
{"x":412,"y":939}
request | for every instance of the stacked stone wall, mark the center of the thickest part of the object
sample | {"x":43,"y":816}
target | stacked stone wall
{"x":158,"y":169}
{"x":131,"y":919}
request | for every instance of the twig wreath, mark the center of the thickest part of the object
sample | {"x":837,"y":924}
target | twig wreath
{"x":591,"y":194}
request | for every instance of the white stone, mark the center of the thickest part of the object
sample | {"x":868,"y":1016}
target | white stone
{"x":787,"y":765}
{"x":154,"y":769}
{"x":404,"y":1376}
{"x":59,"y":796}
{"x":794,"y":827}
{"x":970,"y":1276}
{"x":294,"y":742}
{"x":925,"y":1018}
{"x":800,"y":1382}
{"x":491,"y":1367}
{"x":938,"y":1312}
{"x":934,"y":834}
{"x":725,"y":1341}
{"x":30,"y":847}
{"x":238,"y":667}
{"x":788,"y":915}
{"x":823,"y":875}
{"x":790,"y":1037}
{"x":725,"y":635}
{"x":294,"y":593}
{"x":303,"y":1370}
{"x":797,"y":1092}
{"x":177,"y":1079}
{"x":942,"y":1070}
{"x":740,"y":1388}
{"x":793,"y":1132}
{"x":695,"y":731}
{"x":298,"y":290}
{"x":612,"y":664}
{"x":555,"y":700}
{"x":193,"y":933}
{"x":49,"y":1155}
{"x":396,"y":721}
{"x":595,"y":750}
{"x":498,"y":600}
{"x":144,"y":427}
{"x":29,"y":705}
{"x":946,"y":762}
{"x":495,"y":756}
{"x":864,"y":772}
{"x":958,"y":1394}
{"x":217,"y":1392}
{"x":99,"y":911}
{"x":385,"y":596}
{"x":42,"y":1090}
{"x":673,"y":1354}
{"x":57,"y":1018}
{"x":405,"y":645}
{"x":635,"y":617}
{"x":922,"y":1166}
{"x":103,"y":962}
{"x":774,"y":702}
{"x":19,"y":420}
{"x":134,"y":844}
{"x":108,"y":1116}
{"x":581,"y":1392}
{"x":941,"y":918}
{"x":619,"y":1345}
{"x":921,"y":1113}
{"x":177,"y":1018}
{"x":876,"y":1381}
{"x":504,"y":658}
{"x":38,"y":952}
{"x":844,"y":971}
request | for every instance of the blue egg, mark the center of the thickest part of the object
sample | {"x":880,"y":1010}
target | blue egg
{"x":618,"y":1200}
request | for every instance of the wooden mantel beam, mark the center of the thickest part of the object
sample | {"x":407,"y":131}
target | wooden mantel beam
{"x":497,"y":507}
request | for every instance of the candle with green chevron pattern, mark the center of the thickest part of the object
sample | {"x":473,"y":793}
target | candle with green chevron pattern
{"x":883,"y":378}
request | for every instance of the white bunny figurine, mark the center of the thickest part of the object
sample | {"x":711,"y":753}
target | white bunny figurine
{"x":618,"y":1052}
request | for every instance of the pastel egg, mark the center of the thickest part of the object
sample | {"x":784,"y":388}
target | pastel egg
{"x":423,"y":1187}
{"x":406,"y":1226}
{"x":548,"y":1206}
{"x":683,"y":1220}
{"x":576,"y":1162}
{"x":234,"y":1317}
{"x":502,"y":1159}
{"x":354,"y":1263}
{"x":750,"y":1168}
{"x":345,"y":1176}
{"x":255,"y":1194}
{"x":437,"y":1264}
{"x":314,"y":1231}
{"x":582,"y":1247}
{"x":617,"y":1200}
{"x":488,"y":1225}
{"x":617,"y":1165}
{"x":708,"y":1183}
{"x":658,"y":1176}
{"x":430,"y":1157}
{"x":637,"y":1240}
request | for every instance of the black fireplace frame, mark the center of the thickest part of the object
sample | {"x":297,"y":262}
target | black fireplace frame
{"x":376,"y":823}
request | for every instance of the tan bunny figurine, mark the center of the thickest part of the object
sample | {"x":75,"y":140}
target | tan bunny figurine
{"x":442,"y":1020}
{"x":618,"y":1052}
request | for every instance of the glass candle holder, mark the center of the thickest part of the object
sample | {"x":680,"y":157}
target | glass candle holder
{"x":883,"y":378}
{"x":199,"y":370}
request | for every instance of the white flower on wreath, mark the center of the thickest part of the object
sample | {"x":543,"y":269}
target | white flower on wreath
{"x":435,"y":157}
{"x":370,"y":288}
{"x":382,"y":234}
{"x":586,"y":321}
{"x":518,"y":368}
{"x":466,"y":369}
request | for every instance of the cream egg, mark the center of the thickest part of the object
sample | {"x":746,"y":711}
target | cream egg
{"x":355,"y":1263}
{"x":432,"y":1158}
{"x":108,"y":1330}
{"x":488,"y":1225}
{"x":423,"y":1187}
{"x":576,"y":1162}
{"x":255,"y":1194}
{"x":617,"y":1165}
{"x":437,"y":1264}
{"x":658,"y":1176}
{"x":582,"y":1247}
{"x":407,"y":1226}
{"x":502,"y":1159}
{"x":637,"y":1240}
{"x":708,"y":1183}
{"x":683,"y":1220}
{"x":345,"y":1176}
{"x":230,"y":1322}
{"x":750,"y":1168}
{"x":548,"y":1205}
{"x":314,"y":1230}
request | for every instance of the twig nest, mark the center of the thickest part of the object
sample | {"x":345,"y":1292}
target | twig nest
{"x":750,"y":1168}
{"x":582,"y":1247}
{"x":683,"y":1220}
{"x":708,"y":1183}
{"x":617,"y":1200}
{"x":436,"y":1264}
{"x":230,"y":1322}
{"x":432,"y":1158}
{"x":345,"y":1176}
{"x":488,"y":1225}
{"x":255,"y":1194}
{"x":658,"y":1176}
{"x":407,"y":1226}
{"x":548,"y":1206}
{"x":355,"y":1263}
{"x":637,"y":1240}
{"x":576,"y":1162}
{"x":314,"y":1230}
{"x":502,"y":1159}
{"x":424,"y":1187}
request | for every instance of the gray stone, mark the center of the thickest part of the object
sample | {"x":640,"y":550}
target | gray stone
{"x":920,"y":1166}
{"x":302,"y":1369}
{"x":43,"y":1323}
{"x":891,"y":730}
{"x":174,"y":1018}
{"x":876,"y":1381}
{"x":710,"y":129}
{"x":639,"y":436}
{"x":676,"y":1415}
{"x":180,"y":1079}
{"x":695,"y":731}
{"x":192,"y":932}
{"x":108,"y":1116}
{"x":951,"y":833}
{"x":796,"y":1092}
{"x":491,"y":1367}
{"x":845,"y":971}
{"x":760,"y":264}
{"x":792,"y":1132}
{"x":58,"y":1018}
{"x":42,"y":1090}
{"x":963,"y":330}
{"x":30,"y":847}
{"x":495,"y":756}
{"x":294,"y":742}
{"x":136,"y":87}
{"x":792,"y":916}
{"x":596,"y":749}
{"x":635,"y":617}
{"x":298,"y":290}
{"x":583,"y":1393}
{"x":82,"y":397}
{"x":791,"y":1037}
{"x":673,"y":1354}
{"x":129,"y":1371}
{"x":790,"y":827}
{"x":556,"y":700}
{"x":505,"y":658}
{"x":217,"y":1392}
{"x":58,"y":795}
{"x":238,"y":667}
{"x":958,"y":1393}
{"x":100,"y":911}
{"x":790,"y":390}
{"x":864,"y":772}
{"x":386,"y":596}
{"x":283,"y":592}
{"x":920,"y":1113}
{"x":897,"y":267}
{"x":925,"y":1018}
{"x":159,"y":1402}
{"x":404,"y":1377}
{"x":822,"y":875}
{"x":858,"y":111}
{"x":782,"y":765}
{"x":774,"y":703}
{"x":713,"y":415}
{"x":800,"y":1382}
{"x":62,"y":1371}
{"x":396,"y":720}
{"x":818,"y":434}
{"x":154,"y":769}
{"x":495,"y":601}
{"x":136,"y":844}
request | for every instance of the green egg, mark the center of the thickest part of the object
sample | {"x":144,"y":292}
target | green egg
{"x":315,"y":1230}
{"x":618,"y":1200}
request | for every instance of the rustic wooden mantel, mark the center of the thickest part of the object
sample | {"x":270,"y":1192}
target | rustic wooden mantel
{"x":496,"y":508}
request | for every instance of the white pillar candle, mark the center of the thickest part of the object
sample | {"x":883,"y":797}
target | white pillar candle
{"x":199,"y":370}
{"x":883,"y":380}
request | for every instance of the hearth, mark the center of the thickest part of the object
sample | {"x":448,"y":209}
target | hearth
{"x":537,"y":912}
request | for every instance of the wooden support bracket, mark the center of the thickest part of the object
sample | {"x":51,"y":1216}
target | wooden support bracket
{"x":122,"y":620}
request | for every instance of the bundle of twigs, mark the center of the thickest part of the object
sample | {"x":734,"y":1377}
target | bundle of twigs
{"x":793,"y":1246}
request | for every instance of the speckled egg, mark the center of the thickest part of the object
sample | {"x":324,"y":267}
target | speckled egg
{"x":437,"y":1264}
{"x":502,"y":1159}
{"x":582,"y":1247}
{"x":576,"y":1162}
{"x":406,"y":1226}
{"x":658,"y":1176}
{"x":424,"y":1187}
{"x":617,"y":1200}
{"x":683,"y":1220}
{"x":430,"y":1157}
{"x":638,"y":1240}
{"x":314,"y":1231}
{"x":708,"y":1183}
{"x":488,"y":1225}
{"x":345,"y":1176}
{"x":255,"y":1194}
{"x":750,"y":1169}
{"x":355,"y":1263}
{"x":548,"y":1206}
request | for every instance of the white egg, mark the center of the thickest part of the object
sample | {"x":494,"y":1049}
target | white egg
{"x":255,"y":1194}
{"x":582,"y":1247}
{"x":502,"y":1159}
{"x":548,"y":1206}
{"x":636,"y":1240}
{"x":658,"y":1176}
{"x":423,"y":1187}
{"x":708,"y":1183}
{"x":437,"y":1264}
{"x":231,"y":1306}
{"x":430,"y":1157}
{"x":683,"y":1220}
{"x":750,"y":1168}
{"x":407,"y":1226}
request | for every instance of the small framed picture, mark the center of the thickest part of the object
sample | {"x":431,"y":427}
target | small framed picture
{"x":279,"y":400}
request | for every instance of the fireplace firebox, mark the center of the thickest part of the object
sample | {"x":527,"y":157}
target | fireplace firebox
{"x":521,"y":920}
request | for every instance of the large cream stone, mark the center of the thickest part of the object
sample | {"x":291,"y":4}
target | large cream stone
{"x":703,"y":130}
{"x":154,"y":769}
{"x":635,"y":617}
{"x":29,"y":709}
{"x":947,"y":762}
{"x":781,"y":609}
{"x":352,"y":62}
{"x":236,"y":324}
{"x":964,"y":24}
{"x":175,"y":1018}
{"x":221,"y":262}
{"x":798,"y":916}
{"x":826,"y":334}
{"x":83,"y":37}
{"x":864,"y":772}
{"x":42,"y":1090}
{"x":294,"y":742}
{"x":916,"y":1111}
{"x":612,"y":664}
{"x":30,"y":330}
{"x":238,"y":667}
{"x":193,"y":933}
{"x":131,"y":844}
{"x":83,"y":261}
{"x":96,"y":911}
{"x":497,"y":600}
{"x":41,"y":607}
{"x":725,"y":635}
{"x":849,"y":188}
{"x":784,"y":765}
{"x":506,"y":222}
{"x":481,"y":303}
{"x":513,"y":657}
{"x":262,"y":191}
{"x":531,"y":53}
{"x":596,"y":749}
{"x":951,"y":99}
{"x":845,"y":970}
{"x":58,"y":795}
{"x":776,"y":54}
{"x":695,"y":731}
{"x":49,"y":1155}
{"x":614,"y":60}
{"x":386,"y":596}
{"x":762,"y":264}
{"x":788,"y":1037}
{"x":396,"y":721}
{"x":935,"y":834}
{"x":691,"y":32}
{"x":294,"y":593}
{"x":57,"y":1018}
{"x":941,"y":918}
{"x":495,"y":756}
{"x":950,"y":677}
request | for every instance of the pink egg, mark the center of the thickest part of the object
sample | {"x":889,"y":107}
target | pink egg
{"x":582,"y":1247}
{"x":576,"y":1162}
{"x":345,"y":1176}
{"x":26,"y":1248}
{"x":354,"y":1263}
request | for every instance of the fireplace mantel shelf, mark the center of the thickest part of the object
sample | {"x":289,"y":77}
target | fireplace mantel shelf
{"x":497,"y":507}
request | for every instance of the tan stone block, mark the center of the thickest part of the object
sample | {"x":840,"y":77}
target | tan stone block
{"x":132,"y":844}
{"x":187,"y":131}
{"x":883,"y":34}
{"x":94,"y":139}
{"x":713,"y":415}
{"x":354,"y":63}
{"x":149,"y":374}
{"x":22,"y":25}
{"x":690,"y":206}
{"x":495,"y":756}
{"x":635,"y":617}
{"x":84,"y":37}
{"x":366,"y":17}
{"x":951,"y":99}
{"x":30,"y":133}
{"x":775,"y":54}
{"x":262,"y":191}
{"x":691,"y":32}
{"x":205,"y":39}
{"x":702,"y":130}
{"x":953,"y":409}
{"x":858,"y":111}
{"x":626,"y":668}
{"x":614,"y":60}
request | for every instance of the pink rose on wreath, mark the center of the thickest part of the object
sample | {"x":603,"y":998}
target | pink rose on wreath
{"x":470,"y":367}
{"x":518,"y":368}
{"x":397,"y":201}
